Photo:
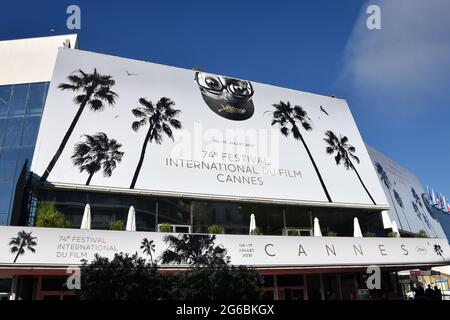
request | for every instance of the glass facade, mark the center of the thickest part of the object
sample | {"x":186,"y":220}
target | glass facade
{"x":233,"y":217}
{"x":21,"y":108}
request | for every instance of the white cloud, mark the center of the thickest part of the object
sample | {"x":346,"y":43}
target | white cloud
{"x":406,"y":62}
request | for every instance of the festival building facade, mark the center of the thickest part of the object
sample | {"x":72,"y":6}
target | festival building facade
{"x":283,"y":176}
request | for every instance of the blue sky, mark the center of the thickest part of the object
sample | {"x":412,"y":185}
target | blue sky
{"x":396,"y":80}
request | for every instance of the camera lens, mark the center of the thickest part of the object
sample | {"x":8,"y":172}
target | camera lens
{"x":241,"y":88}
{"x":213,"y":83}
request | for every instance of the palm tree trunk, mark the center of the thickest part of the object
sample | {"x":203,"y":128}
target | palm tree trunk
{"x":409,"y":226}
{"x":431,"y":226}
{"x":396,"y":211}
{"x":18,"y":251}
{"x":317,"y":169}
{"x":141,"y":159}
{"x":89,"y":179}
{"x":65,"y":138}
{"x":425,"y":227}
{"x":360,"y":180}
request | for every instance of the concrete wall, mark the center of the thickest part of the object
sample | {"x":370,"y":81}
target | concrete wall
{"x":31,"y":60}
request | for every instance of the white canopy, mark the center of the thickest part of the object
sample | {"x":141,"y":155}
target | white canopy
{"x":395,"y":228}
{"x":131,"y":220}
{"x":387,"y":223}
{"x":86,"y":221}
{"x":356,"y":229}
{"x":252,"y":224}
{"x":317,"y":232}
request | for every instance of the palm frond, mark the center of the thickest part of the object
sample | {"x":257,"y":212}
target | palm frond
{"x":295,"y":132}
{"x":167,"y":130}
{"x":147,"y":104}
{"x":338,"y":158}
{"x":284,"y":131}
{"x":175,"y":123}
{"x":96,"y":105}
{"x":136,"y":125}
{"x":66,"y":86}
{"x":79,"y":99}
{"x":139,"y":112}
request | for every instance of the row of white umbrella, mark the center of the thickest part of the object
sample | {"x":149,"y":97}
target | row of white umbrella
{"x":356,"y":228}
{"x":318,"y":233}
{"x":131,"y":219}
{"x":131,"y":223}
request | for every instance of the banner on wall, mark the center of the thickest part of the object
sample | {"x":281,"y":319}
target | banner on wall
{"x":64,"y":247}
{"x":111,"y":122}
{"x":409,"y":202}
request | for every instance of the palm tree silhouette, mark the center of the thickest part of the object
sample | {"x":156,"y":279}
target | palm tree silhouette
{"x":95,"y":153}
{"x":387,"y":182}
{"x":148,"y":247}
{"x":95,"y":91}
{"x":193,"y":249}
{"x":438,"y":250}
{"x":418,"y":213}
{"x":421,"y":213}
{"x":344,"y":151}
{"x":161,"y":119}
{"x":23,"y":241}
{"x":401,"y":205}
{"x":289,"y":119}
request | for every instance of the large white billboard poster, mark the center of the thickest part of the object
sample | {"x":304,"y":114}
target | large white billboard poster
{"x":119,"y":123}
{"x":409,"y":206}
{"x":51,"y":246}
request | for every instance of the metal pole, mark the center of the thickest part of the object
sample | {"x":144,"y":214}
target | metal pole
{"x":191,"y":218}
{"x":156,"y":216}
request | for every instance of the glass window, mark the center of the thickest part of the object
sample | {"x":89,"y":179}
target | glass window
{"x":12,"y":132}
{"x":5,"y":196}
{"x":36,"y":98}
{"x":290,"y":280}
{"x":18,"y":100}
{"x":8,"y":159}
{"x":54,"y":283}
{"x":24,"y":154}
{"x":173,"y":211}
{"x":2,"y":129}
{"x":29,"y":131}
{"x":5,"y":95}
{"x":3,"y":219}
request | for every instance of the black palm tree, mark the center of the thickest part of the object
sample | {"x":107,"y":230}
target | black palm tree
{"x":387,"y":182}
{"x":289,"y":119}
{"x":438,"y":250}
{"x":416,"y":210}
{"x":95,"y":153}
{"x":94,"y":91}
{"x":196,"y":250}
{"x":402,"y":206}
{"x":344,"y":153}
{"x":148,"y":247}
{"x":23,"y":241}
{"x":421,"y":212}
{"x":161,"y":119}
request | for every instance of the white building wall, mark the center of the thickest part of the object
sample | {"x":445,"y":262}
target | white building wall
{"x":31,"y":60}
